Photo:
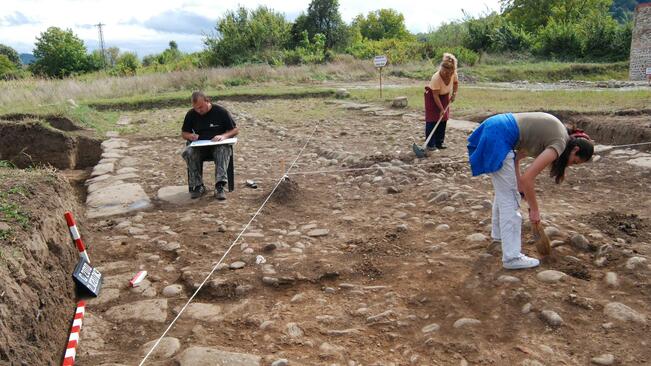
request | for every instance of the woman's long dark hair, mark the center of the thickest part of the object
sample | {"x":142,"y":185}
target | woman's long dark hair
{"x":586,"y":149}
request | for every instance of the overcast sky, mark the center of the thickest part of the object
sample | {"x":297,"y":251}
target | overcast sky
{"x":146,"y":27}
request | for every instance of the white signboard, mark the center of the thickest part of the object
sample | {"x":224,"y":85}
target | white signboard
{"x":380,"y":61}
{"x":648,"y":70}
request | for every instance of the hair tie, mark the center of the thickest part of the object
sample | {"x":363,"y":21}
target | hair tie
{"x":580,"y":134}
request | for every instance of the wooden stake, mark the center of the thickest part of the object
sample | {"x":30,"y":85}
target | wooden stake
{"x":380,"y":83}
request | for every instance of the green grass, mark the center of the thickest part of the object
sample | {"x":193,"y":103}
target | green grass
{"x":6,"y":164}
{"x":32,"y":94}
{"x":550,"y":71}
{"x":182,"y":98}
{"x":544,"y":72}
{"x":5,"y":234}
{"x":10,"y":211}
{"x":88,"y":117}
{"x":474,"y":100}
{"x":82,"y":115}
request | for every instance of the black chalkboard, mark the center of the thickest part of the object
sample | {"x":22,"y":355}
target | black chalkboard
{"x":87,"y":277}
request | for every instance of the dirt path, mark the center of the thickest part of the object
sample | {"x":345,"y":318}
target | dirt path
{"x":386,"y":266}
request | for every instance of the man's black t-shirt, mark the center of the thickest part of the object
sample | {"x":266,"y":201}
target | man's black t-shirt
{"x":211,"y":124}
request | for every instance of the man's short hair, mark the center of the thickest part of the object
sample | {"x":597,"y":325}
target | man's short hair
{"x":199,"y":95}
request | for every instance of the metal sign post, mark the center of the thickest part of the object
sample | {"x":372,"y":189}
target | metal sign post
{"x":380,"y":61}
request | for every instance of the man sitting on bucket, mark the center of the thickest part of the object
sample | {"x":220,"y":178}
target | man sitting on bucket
{"x":207,"y":121}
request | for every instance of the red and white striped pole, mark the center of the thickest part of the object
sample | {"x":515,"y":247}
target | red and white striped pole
{"x":74,"y":232}
{"x":135,"y":281}
{"x":73,"y":339}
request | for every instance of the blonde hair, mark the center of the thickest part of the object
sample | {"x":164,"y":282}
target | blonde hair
{"x":449,"y":61}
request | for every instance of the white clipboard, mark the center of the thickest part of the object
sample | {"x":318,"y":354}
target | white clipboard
{"x":199,"y":143}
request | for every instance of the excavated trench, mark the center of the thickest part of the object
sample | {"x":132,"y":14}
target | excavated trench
{"x":616,"y":128}
{"x":27,"y":140}
{"x":40,"y":268}
{"x":37,"y":256}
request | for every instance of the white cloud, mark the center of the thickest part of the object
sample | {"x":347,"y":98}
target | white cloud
{"x":147,"y":26}
{"x":180,"y":21}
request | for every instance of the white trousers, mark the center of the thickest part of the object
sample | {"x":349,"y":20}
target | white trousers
{"x":507,"y":220}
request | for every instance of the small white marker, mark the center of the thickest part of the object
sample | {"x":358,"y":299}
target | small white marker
{"x":260,"y":260}
{"x":135,"y":281}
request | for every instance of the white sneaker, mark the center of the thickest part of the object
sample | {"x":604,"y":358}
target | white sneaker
{"x":521,"y":262}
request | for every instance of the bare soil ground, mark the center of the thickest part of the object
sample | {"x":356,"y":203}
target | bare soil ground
{"x":36,"y":262}
{"x":394,"y":271}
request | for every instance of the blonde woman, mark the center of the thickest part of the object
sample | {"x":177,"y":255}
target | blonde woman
{"x":441,"y":91}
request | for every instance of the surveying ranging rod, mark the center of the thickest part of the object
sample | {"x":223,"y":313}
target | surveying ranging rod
{"x":74,"y":232}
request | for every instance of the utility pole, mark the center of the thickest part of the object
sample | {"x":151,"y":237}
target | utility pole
{"x":101,"y":43}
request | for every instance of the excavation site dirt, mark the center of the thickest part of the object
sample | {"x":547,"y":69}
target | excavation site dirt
{"x":363,"y":254}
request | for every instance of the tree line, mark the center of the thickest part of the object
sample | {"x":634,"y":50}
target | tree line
{"x":593,"y":30}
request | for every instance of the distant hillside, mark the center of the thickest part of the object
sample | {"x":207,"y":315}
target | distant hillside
{"x":27,"y":58}
{"x":622,"y":10}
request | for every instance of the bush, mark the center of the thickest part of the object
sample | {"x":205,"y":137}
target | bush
{"x":11,"y":54}
{"x":7,"y":68}
{"x":397,"y":51}
{"x":604,"y":38}
{"x":559,"y":39}
{"x":308,"y":52}
{"x":127,"y":64}
{"x":509,"y":37}
{"x":465,"y":56}
{"x":480,"y":32}
{"x":447,"y":35}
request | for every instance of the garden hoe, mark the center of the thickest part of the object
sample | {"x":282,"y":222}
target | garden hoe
{"x":421,"y":152}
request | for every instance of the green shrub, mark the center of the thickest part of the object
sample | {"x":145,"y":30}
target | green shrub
{"x":7,"y":68}
{"x":604,"y":38}
{"x":397,"y":51}
{"x":237,"y":81}
{"x":481,"y":31}
{"x":127,"y":64}
{"x":464,"y":56}
{"x":559,"y":39}
{"x":450,"y":34}
{"x":509,"y":37}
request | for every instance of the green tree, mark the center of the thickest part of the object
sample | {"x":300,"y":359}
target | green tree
{"x":11,"y":54}
{"x":576,"y":11}
{"x":535,"y":14}
{"x":622,"y":10}
{"x":560,"y":39}
{"x":7,"y":67}
{"x":323,"y":17}
{"x":382,"y":24}
{"x":59,"y":53}
{"x":95,"y":61}
{"x":447,"y":35}
{"x":529,"y":14}
{"x":481,"y":32}
{"x":112,"y":55}
{"x":248,"y":36}
{"x":127,"y":64}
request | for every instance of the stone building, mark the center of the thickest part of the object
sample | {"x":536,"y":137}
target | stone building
{"x":641,"y":43}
